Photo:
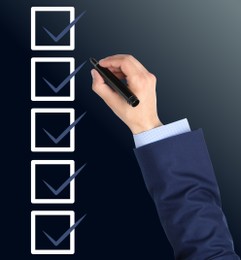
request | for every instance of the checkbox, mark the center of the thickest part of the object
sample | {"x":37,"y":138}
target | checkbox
{"x":47,"y":226}
{"x":53,"y":79}
{"x":55,"y":173}
{"x":53,"y":129}
{"x":49,"y":122}
{"x":53,"y":28}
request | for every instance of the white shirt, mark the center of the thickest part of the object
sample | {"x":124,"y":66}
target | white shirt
{"x":162,"y":132}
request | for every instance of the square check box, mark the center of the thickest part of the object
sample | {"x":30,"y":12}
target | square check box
{"x":43,"y":74}
{"x":38,"y":32}
{"x":46,"y":225}
{"x":47,"y":123}
{"x":49,"y":172}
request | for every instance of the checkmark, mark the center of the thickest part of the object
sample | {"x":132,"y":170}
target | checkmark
{"x":65,"y":132}
{"x":65,"y":31}
{"x":67,"y":80}
{"x":67,"y":233}
{"x":66,"y":183}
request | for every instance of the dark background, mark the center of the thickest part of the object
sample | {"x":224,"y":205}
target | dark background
{"x":194,"y":49}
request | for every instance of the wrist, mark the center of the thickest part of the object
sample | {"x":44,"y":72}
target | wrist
{"x":145,"y":126}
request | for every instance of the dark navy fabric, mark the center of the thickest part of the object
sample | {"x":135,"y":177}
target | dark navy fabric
{"x":180,"y":178}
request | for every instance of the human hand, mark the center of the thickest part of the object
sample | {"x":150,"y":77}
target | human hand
{"x":140,"y":81}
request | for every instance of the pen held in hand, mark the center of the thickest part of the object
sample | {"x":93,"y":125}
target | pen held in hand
{"x":116,"y":84}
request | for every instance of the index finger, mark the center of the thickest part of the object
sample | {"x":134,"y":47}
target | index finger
{"x":125,"y":63}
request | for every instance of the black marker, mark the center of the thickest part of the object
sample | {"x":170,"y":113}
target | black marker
{"x":116,"y":84}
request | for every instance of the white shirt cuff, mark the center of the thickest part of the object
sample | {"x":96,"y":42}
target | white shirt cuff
{"x":162,"y":132}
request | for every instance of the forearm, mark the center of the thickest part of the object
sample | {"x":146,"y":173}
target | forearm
{"x":179,"y":176}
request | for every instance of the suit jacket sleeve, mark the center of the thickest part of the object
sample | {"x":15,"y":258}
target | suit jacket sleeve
{"x":180,"y":178}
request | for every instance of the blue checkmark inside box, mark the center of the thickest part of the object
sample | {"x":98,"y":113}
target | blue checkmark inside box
{"x":54,"y":175}
{"x":54,"y":22}
{"x":52,"y":73}
{"x":54,"y":226}
{"x":55,"y":124}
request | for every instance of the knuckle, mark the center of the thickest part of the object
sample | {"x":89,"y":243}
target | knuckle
{"x":128,"y":58}
{"x":151,"y":77}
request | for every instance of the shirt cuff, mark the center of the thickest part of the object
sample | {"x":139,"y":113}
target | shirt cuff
{"x":162,"y":132}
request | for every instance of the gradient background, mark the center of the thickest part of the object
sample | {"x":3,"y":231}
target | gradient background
{"x":194,"y":49}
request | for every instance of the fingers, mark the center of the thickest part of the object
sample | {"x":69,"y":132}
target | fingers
{"x":117,"y":72}
{"x":110,"y":97}
{"x":97,"y":79}
{"x":122,"y":57}
{"x":126,"y":64}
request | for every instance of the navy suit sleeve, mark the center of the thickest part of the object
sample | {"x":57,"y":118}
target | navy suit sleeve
{"x":180,"y":178}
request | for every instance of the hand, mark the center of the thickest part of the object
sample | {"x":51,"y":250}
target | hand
{"x":141,"y":82}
